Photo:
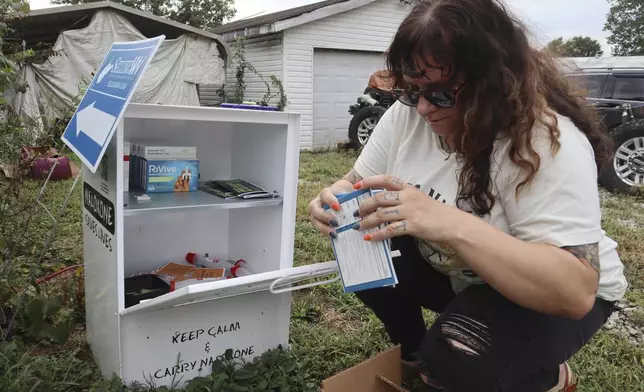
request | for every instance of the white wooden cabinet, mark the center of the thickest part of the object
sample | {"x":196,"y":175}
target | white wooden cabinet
{"x":174,"y":338}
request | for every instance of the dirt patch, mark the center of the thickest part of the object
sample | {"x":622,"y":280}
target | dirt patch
{"x":338,"y":320}
{"x":630,"y":223}
{"x":627,"y":321}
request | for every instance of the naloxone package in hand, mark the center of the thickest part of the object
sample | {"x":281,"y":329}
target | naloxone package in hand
{"x":363,"y":264}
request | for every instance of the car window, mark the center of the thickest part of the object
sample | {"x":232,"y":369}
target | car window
{"x":629,"y":88}
{"x":593,"y":84}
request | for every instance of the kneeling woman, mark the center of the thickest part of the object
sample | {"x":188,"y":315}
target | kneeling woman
{"x":490,"y":163}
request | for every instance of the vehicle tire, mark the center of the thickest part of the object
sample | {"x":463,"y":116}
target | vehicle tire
{"x":362,"y":124}
{"x":624,"y":172}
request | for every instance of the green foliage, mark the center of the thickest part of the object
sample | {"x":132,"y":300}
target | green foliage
{"x":277,"y":83}
{"x":243,"y":65}
{"x":21,"y":370}
{"x":625,"y":22}
{"x":575,"y":47}
{"x":330,"y":330}
{"x":12,"y":128}
{"x":26,"y":312}
{"x":239,"y":57}
{"x":638,"y":318}
{"x":42,"y":317}
{"x":9,"y":73}
{"x":203,"y":14}
{"x":276,"y":370}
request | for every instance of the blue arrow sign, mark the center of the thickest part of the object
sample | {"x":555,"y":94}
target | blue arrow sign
{"x":93,"y":124}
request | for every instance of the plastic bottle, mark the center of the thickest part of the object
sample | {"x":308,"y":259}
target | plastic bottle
{"x":234,"y":269}
{"x":240,"y":269}
{"x":203,"y":261}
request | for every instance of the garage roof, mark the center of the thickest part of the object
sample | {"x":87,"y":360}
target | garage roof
{"x":278,"y":21}
{"x":45,"y":25}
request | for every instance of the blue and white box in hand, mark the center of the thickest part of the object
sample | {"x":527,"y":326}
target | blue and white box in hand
{"x":363,"y":264}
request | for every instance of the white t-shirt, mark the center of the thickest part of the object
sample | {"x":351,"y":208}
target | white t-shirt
{"x":560,"y":207}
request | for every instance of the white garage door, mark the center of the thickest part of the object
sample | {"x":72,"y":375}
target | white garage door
{"x":339,"y":78}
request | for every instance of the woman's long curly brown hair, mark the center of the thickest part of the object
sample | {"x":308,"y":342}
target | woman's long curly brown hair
{"x":509,"y":87}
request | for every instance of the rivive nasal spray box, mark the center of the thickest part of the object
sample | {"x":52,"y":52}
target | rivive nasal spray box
{"x":162,"y":176}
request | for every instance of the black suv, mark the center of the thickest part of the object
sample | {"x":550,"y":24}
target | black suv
{"x":618,"y":94}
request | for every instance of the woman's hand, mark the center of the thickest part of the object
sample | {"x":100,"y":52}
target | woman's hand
{"x":408,"y":211}
{"x":319,"y":217}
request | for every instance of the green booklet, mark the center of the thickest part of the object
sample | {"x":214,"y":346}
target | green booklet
{"x":235,"y":189}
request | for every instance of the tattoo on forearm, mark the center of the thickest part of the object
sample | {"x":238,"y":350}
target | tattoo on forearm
{"x":588,"y":253}
{"x":353,"y":177}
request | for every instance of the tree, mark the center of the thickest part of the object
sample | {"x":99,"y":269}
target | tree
{"x":625,"y":22}
{"x":203,"y":14}
{"x":556,"y":46}
{"x":576,"y":47}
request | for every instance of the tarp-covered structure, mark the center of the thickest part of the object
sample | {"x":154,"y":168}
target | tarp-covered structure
{"x":182,"y":64}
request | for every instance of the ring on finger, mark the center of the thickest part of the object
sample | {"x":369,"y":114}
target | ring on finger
{"x":398,"y":227}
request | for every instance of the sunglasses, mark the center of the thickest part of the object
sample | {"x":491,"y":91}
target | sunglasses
{"x":439,"y":96}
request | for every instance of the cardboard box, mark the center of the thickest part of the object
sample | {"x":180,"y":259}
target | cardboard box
{"x":181,"y":275}
{"x":382,"y":373}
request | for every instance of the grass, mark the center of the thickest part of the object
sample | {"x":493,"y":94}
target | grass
{"x":330,"y":330}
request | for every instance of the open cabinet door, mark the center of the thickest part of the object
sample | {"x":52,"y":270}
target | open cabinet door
{"x":276,"y":282}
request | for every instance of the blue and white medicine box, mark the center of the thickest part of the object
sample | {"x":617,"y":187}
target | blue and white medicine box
{"x":362,"y":264}
{"x":161,"y":176}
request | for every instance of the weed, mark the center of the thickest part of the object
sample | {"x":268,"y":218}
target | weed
{"x":638,"y":318}
{"x":243,"y":65}
{"x":330,"y":330}
{"x":21,"y":370}
{"x":275,"y":370}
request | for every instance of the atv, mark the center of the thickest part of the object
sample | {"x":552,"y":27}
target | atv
{"x":369,"y":108}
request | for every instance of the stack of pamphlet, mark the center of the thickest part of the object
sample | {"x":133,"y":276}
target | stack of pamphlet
{"x":235,"y":189}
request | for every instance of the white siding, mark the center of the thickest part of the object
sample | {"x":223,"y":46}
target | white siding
{"x":368,"y":28}
{"x":265,"y":54}
{"x":209,"y":94}
{"x":339,"y":76}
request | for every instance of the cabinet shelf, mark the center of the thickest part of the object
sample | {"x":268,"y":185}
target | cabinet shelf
{"x":188,"y":200}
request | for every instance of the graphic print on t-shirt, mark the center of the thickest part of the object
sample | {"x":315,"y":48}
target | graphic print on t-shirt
{"x":442,"y":257}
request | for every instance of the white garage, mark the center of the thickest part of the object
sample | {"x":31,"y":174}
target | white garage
{"x":324,"y":53}
{"x":338,"y":77}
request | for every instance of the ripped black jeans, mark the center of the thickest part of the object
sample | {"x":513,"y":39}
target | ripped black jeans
{"x":482,"y":341}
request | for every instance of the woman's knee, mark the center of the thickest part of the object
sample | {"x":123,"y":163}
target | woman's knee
{"x":455,"y":355}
